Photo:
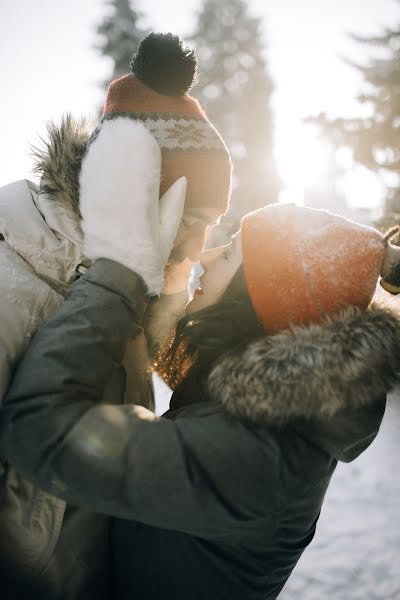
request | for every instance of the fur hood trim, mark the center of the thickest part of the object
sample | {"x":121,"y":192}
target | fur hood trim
{"x":311,"y":372}
{"x":58,"y":160}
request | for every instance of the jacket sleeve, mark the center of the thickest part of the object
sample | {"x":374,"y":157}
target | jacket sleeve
{"x":104,"y":457}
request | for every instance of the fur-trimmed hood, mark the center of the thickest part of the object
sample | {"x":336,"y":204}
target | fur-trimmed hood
{"x":43,"y":224}
{"x":335,"y":374}
{"x":58,"y":160}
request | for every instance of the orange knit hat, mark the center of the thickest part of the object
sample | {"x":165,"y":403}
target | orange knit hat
{"x":301,"y":264}
{"x":156,"y":94}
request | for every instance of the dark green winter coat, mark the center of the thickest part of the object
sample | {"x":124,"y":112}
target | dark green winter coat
{"x":219,"y":498}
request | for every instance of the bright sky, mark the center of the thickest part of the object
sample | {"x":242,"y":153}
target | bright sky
{"x":48,"y":66}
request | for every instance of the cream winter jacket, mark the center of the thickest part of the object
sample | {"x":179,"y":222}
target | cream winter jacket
{"x":38,"y":260}
{"x":40,"y":252}
{"x":39,"y":255}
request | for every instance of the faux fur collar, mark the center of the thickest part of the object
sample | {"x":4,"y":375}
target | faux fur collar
{"x":58,"y":160}
{"x":312,"y":372}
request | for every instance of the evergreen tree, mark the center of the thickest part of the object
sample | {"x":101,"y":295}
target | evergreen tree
{"x":235,"y":89}
{"x":121,"y":36}
{"x":374,"y":140}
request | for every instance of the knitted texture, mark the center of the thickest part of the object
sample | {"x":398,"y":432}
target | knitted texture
{"x":190,"y":145}
{"x":302,"y":265}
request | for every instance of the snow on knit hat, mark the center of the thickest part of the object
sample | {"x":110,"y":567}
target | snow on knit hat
{"x":301,"y":264}
{"x":156,"y":94}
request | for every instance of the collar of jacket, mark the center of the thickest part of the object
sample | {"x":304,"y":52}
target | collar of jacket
{"x":328,"y":372}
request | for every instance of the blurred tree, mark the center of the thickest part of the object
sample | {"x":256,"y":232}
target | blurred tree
{"x":121,"y":36}
{"x":325,"y":191}
{"x":235,"y":88}
{"x":374,"y":140}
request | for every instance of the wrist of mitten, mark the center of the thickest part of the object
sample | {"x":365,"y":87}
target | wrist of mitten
{"x":146,"y":264}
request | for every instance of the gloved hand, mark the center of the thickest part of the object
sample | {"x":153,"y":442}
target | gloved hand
{"x":122,"y":216}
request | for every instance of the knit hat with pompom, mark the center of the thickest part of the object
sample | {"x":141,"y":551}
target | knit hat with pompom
{"x":302,"y":264}
{"x":156,"y":93}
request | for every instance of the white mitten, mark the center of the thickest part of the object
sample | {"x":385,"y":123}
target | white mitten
{"x":122,"y":216}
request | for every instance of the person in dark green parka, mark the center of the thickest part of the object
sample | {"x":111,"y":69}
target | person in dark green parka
{"x":220,"y":496}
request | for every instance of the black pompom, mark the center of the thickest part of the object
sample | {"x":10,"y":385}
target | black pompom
{"x":164,"y":64}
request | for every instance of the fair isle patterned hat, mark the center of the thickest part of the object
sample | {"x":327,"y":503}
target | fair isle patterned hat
{"x":163,"y":71}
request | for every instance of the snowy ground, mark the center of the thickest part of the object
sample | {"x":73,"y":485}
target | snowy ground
{"x":355,"y":554}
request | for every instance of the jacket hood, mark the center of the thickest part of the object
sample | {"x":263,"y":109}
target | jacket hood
{"x":58,"y":160}
{"x":329,"y":381}
{"x":43,"y":224}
